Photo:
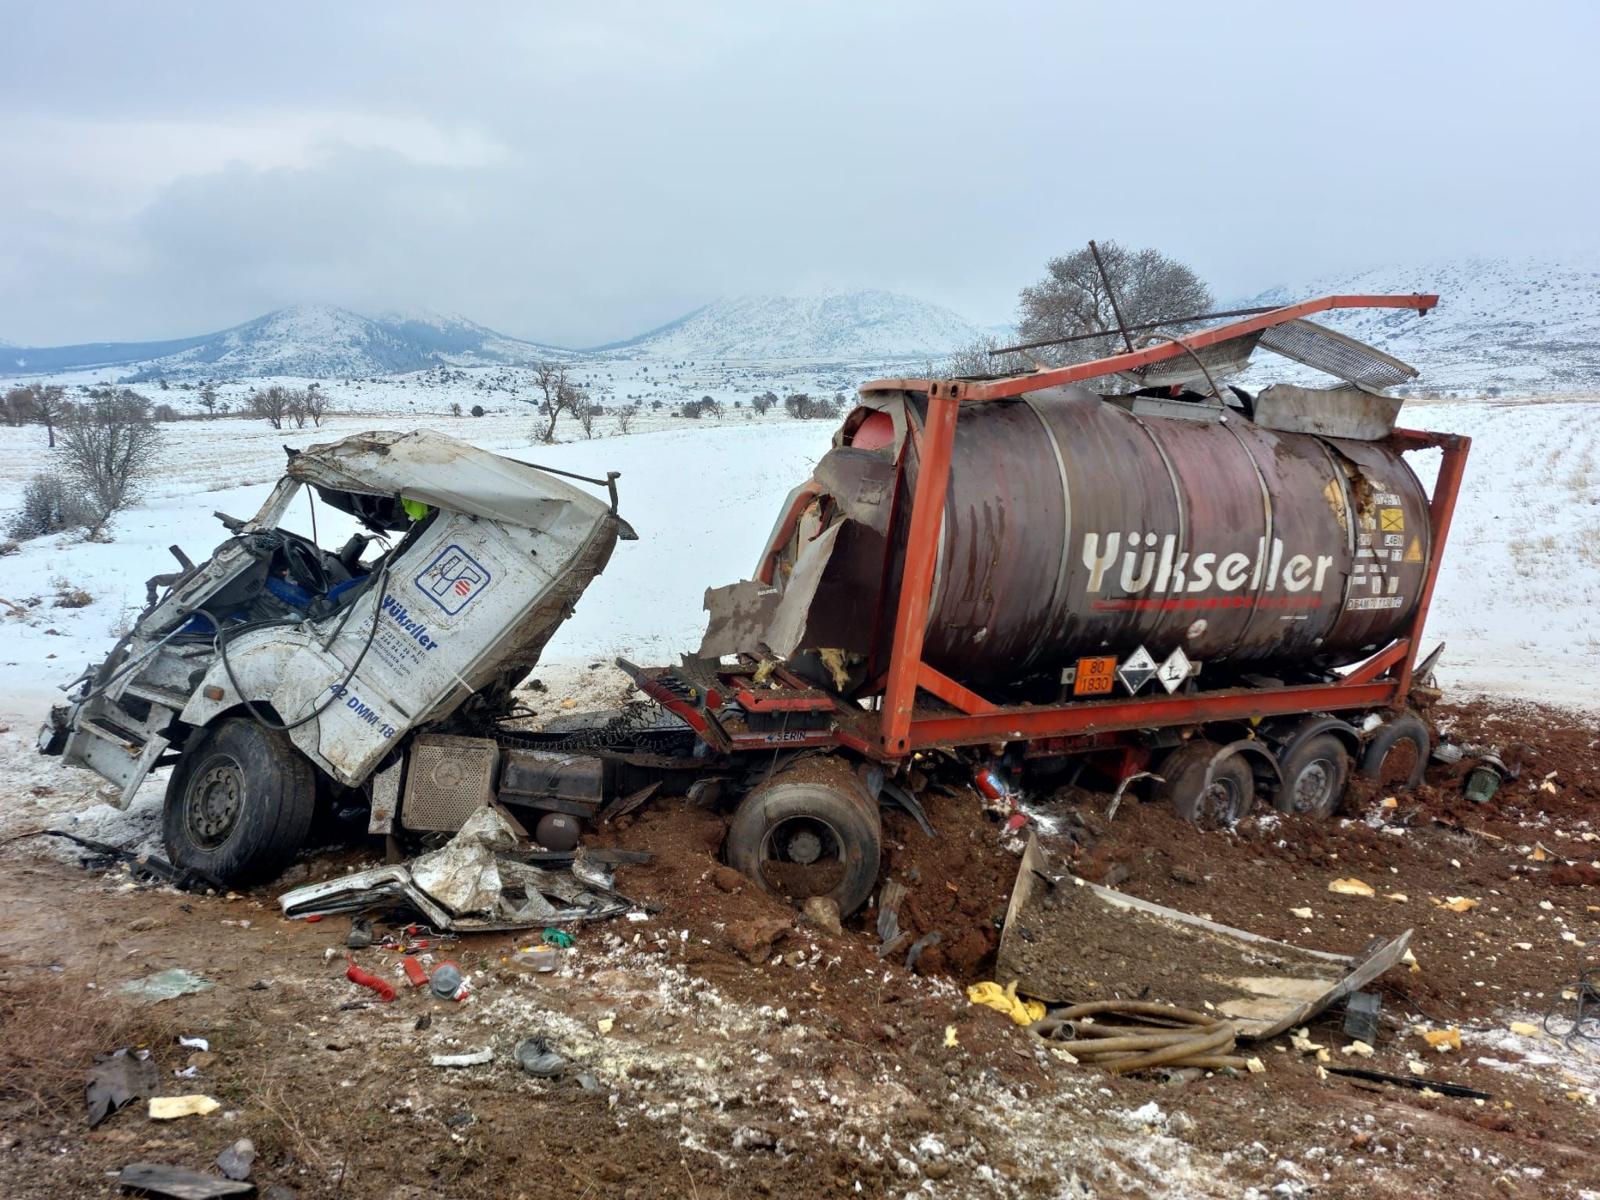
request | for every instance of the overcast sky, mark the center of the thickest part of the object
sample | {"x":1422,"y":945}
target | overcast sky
{"x":580,"y":172}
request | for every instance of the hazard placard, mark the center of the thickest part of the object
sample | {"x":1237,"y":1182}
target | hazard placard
{"x":1392,"y":520}
{"x":1096,"y":676}
{"x":1414,"y":551}
{"x":1137,"y":670}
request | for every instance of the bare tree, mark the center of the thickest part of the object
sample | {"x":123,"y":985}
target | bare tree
{"x":52,"y":407}
{"x":625,"y":416}
{"x":108,"y":446}
{"x":586,"y":418}
{"x":316,"y":404}
{"x":976,"y":359}
{"x":271,"y":405}
{"x":557,"y":394}
{"x":208,"y":398}
{"x":1072,"y":299}
{"x":17,"y":407}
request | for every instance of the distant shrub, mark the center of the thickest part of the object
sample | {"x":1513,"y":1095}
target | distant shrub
{"x":703,"y":407}
{"x":476,"y":410}
{"x":107,"y":449}
{"x":48,"y":506}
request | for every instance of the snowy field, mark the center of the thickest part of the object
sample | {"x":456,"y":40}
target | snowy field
{"x":1514,"y":603}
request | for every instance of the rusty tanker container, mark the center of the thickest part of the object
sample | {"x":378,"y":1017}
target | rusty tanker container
{"x":1075,"y":527}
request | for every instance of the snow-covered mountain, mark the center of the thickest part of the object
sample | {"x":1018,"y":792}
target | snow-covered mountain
{"x":831,"y":327}
{"x":322,"y":341}
{"x":1513,"y":324}
{"x":313,"y":340}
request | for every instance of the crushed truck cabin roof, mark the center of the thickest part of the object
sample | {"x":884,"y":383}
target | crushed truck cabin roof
{"x":440,"y":471}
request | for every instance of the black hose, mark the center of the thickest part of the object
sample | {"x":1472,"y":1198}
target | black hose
{"x":337,"y":690}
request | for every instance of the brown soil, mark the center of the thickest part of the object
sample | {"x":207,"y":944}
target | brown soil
{"x":738,"y":1050}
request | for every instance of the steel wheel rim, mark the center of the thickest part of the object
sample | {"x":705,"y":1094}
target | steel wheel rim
{"x":212,"y":803}
{"x":1313,"y":786}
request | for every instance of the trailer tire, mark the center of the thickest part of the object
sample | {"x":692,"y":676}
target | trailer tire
{"x":1396,"y":756}
{"x":1214,"y":804}
{"x":810,"y":830}
{"x":239,"y":803}
{"x":1315,"y":772}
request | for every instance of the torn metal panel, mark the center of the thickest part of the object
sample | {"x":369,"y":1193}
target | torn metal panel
{"x":860,"y":483}
{"x":831,"y":598}
{"x":1055,"y":922}
{"x":1351,"y":412}
{"x":740,"y":614}
{"x":464,"y":876}
{"x":464,"y":873}
{"x":789,"y":629}
{"x":385,"y":796}
{"x":473,"y":882}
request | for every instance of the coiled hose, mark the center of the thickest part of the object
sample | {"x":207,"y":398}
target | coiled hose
{"x":1167,"y":1037}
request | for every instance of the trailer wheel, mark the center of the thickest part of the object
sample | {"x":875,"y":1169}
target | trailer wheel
{"x":811,"y":830}
{"x":1315,"y":771}
{"x":1397,"y":755}
{"x":1210,"y":796}
{"x":239,"y":804}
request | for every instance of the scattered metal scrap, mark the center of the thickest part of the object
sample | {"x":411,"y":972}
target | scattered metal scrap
{"x":156,"y":1179}
{"x":1262,"y":987}
{"x":487,"y":877}
{"x":118,"y":1079}
{"x":145,"y":868}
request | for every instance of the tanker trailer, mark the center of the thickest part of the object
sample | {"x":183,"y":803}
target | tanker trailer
{"x":1179,"y":578}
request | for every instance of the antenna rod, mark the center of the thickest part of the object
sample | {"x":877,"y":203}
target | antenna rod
{"x":1111,"y":293}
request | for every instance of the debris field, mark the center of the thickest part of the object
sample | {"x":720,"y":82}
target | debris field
{"x":716,"y":1042}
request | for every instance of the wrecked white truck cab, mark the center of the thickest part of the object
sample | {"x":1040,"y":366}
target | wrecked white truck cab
{"x":275,"y":659}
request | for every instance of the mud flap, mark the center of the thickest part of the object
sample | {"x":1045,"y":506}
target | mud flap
{"x":1057,"y":924}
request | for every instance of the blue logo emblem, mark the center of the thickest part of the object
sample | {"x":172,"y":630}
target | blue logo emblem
{"x":453,"y":578}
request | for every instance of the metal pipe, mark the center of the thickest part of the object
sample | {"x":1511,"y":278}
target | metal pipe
{"x":1111,"y":294}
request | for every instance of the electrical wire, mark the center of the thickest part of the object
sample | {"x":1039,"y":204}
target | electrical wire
{"x":335,"y":691}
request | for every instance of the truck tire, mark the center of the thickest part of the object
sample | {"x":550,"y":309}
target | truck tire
{"x":239,"y":803}
{"x":811,"y":830}
{"x":1315,"y":772}
{"x":1217,"y":805}
{"x":1397,"y":755}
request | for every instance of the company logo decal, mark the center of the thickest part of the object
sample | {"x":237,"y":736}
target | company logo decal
{"x":453,"y":579}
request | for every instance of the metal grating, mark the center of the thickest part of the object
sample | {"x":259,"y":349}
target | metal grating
{"x":1343,"y":357}
{"x":449,"y":779}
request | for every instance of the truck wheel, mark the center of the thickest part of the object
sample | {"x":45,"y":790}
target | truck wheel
{"x":1397,"y":755}
{"x":811,"y":830}
{"x":239,"y":804}
{"x":1215,"y":805}
{"x":1315,"y":772}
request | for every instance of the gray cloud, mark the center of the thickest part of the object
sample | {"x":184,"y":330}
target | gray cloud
{"x":578,"y":176}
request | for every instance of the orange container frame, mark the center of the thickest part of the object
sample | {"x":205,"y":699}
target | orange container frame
{"x":1382,"y":681}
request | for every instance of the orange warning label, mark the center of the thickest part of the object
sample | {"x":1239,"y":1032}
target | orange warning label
{"x":1096,"y":676}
